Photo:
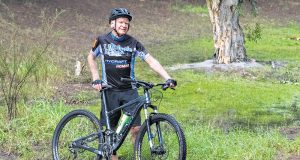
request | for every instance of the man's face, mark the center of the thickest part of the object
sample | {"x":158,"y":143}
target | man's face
{"x":122,"y":25}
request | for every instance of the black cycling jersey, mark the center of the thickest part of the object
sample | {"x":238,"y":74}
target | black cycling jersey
{"x":118,"y":58}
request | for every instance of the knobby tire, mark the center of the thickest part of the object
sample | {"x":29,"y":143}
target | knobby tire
{"x":173,"y":139}
{"x":76,"y":124}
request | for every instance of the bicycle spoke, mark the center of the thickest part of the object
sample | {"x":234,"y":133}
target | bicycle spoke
{"x":77,"y":127}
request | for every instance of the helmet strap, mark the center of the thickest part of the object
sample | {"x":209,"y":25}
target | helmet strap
{"x":115,"y":28}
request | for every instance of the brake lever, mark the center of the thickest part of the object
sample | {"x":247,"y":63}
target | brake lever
{"x":165,"y":87}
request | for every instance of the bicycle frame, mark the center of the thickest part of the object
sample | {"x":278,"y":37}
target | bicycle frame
{"x":143,"y":101}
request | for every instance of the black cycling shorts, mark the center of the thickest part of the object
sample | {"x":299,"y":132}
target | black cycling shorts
{"x":115,"y":99}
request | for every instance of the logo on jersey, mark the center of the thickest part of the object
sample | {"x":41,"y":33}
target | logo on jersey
{"x":118,"y":63}
{"x":122,"y":66}
{"x":116,"y":50}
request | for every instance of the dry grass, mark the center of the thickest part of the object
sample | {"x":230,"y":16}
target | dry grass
{"x":154,"y":23}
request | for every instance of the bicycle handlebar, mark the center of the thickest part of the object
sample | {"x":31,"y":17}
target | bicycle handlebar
{"x":147,"y":85}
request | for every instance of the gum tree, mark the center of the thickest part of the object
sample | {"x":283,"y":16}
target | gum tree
{"x":229,"y":39}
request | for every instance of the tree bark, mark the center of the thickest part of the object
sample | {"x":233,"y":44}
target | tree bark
{"x":227,"y":32}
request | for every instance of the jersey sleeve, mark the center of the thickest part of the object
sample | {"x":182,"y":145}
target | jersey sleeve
{"x":141,"y":51}
{"x":96,"y":48}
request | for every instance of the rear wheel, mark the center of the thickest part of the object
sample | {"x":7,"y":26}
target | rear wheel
{"x":170,"y":145}
{"x":74,"y":125}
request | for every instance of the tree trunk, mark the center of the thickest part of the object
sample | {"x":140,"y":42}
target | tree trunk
{"x":228,"y":34}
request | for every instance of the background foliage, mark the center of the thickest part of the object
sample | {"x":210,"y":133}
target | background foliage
{"x":233,"y":114}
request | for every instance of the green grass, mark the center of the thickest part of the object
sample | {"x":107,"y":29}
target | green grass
{"x":224,"y":115}
{"x":189,"y":8}
{"x":238,"y":144}
{"x":30,"y":136}
{"x":276,"y":44}
{"x":184,"y":52}
{"x":229,"y":97}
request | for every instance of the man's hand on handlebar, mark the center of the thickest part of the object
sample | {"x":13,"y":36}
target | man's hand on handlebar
{"x":170,"y":83}
{"x":97,"y":84}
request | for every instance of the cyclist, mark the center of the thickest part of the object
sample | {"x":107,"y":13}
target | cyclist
{"x":117,"y":51}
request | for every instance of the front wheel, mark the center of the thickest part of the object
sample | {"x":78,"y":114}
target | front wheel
{"x":75,"y":126}
{"x":168,"y":141}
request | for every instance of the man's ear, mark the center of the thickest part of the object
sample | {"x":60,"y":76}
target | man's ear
{"x":112,"y":24}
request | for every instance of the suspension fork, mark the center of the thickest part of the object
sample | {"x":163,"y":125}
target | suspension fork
{"x":147,"y":117}
{"x":147,"y":120}
{"x":160,"y":138}
{"x":149,"y":132}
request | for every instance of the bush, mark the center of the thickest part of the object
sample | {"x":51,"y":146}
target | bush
{"x":22,"y":62}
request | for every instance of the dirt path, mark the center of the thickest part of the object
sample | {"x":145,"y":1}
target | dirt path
{"x":5,"y":156}
{"x":209,"y":66}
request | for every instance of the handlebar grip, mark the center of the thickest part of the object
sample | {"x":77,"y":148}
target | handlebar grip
{"x":165,"y":87}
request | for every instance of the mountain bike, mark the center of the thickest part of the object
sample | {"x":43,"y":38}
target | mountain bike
{"x":79,"y":134}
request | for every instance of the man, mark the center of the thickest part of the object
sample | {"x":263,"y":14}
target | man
{"x":118,"y":51}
